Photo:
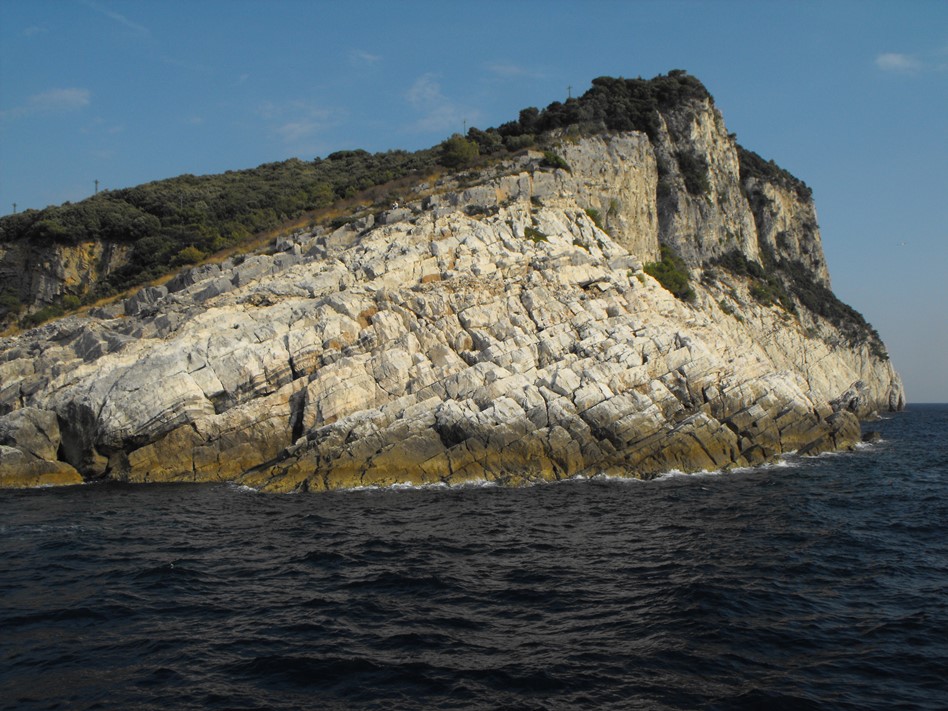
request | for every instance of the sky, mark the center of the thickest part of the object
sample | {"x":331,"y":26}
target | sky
{"x":849,"y":96}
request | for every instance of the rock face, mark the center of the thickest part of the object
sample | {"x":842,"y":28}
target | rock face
{"x":703,"y":212}
{"x":493,"y":331}
{"x":42,"y":276}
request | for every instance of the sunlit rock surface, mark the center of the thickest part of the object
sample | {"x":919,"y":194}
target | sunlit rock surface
{"x":489,"y":329}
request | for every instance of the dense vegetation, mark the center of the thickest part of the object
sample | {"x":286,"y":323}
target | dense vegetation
{"x":614,"y":104}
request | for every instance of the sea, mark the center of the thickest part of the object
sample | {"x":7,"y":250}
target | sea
{"x":812,"y":583}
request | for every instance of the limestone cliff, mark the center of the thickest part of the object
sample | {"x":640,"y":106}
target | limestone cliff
{"x":496,"y":326}
{"x":38,"y":276}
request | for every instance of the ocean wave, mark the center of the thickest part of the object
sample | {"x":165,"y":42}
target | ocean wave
{"x":427,"y":486}
{"x":243,"y":488}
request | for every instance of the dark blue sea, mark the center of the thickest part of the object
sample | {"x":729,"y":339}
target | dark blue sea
{"x":817,"y":583}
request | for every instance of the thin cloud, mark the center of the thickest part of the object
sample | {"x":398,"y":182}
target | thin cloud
{"x":360,"y":56}
{"x":34,"y":30}
{"x":117,"y":17}
{"x":52,"y":101}
{"x":187,"y":66}
{"x":295,"y":130}
{"x":902,"y":63}
{"x":440,"y":113}
{"x":425,"y":92}
{"x":897,"y":62}
{"x":295,"y":120}
{"x":99,"y":126}
{"x":60,"y":100}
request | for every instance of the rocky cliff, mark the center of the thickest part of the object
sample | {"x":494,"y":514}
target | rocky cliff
{"x":37,"y":276}
{"x":496,"y":326}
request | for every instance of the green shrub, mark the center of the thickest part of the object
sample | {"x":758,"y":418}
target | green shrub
{"x":672,"y":273}
{"x":614,"y":104}
{"x":71,"y":302}
{"x":519,"y":142}
{"x":596,"y":217}
{"x":162,"y":218}
{"x":189,"y":255}
{"x":488,"y":142}
{"x":44,"y":314}
{"x":753,"y":166}
{"x":535,"y":235}
{"x":788,"y":283}
{"x":767,"y":286}
{"x":761,"y":293}
{"x":10,"y":301}
{"x":552,"y":160}
{"x":694,"y":171}
{"x":458,"y":152}
{"x":737,"y":263}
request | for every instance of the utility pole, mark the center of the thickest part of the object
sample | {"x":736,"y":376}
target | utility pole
{"x":569,"y":92}
{"x":96,"y":187}
{"x":14,"y":208}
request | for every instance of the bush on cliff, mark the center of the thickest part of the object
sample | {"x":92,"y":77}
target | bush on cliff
{"x":694,"y":171}
{"x":458,"y":152}
{"x":672,"y":273}
{"x":555,"y":161}
{"x":616,"y":104}
{"x":753,"y":166}
{"x":791,"y":283}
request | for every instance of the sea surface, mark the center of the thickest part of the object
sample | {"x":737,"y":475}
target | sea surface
{"x":817,"y":583}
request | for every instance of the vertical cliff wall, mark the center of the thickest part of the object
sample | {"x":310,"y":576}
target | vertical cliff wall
{"x":703,"y":212}
{"x":715,"y":197}
{"x":785,"y":217}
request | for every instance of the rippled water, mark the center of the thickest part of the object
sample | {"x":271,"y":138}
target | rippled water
{"x":822,"y":583}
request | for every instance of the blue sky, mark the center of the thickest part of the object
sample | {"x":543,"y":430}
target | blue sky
{"x":852,"y":97}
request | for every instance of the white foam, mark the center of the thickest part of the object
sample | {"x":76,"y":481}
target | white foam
{"x":243,"y":487}
{"x":409,"y":485}
{"x":434,"y":485}
{"x":602,"y":476}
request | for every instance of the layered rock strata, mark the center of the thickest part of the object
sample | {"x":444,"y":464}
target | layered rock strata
{"x":493,"y":331}
{"x":43,"y":275}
